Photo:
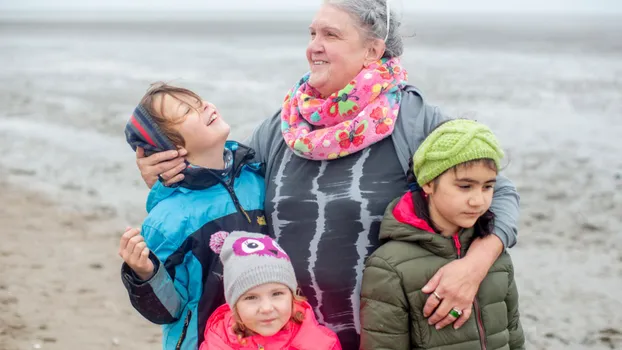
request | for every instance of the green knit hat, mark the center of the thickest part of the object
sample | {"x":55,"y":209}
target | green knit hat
{"x":454,"y":142}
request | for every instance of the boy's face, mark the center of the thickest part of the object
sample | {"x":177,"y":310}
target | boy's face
{"x":200,"y":124}
{"x":266,"y":308}
{"x":460,"y":197}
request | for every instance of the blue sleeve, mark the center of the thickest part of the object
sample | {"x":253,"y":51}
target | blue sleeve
{"x":161,"y":298}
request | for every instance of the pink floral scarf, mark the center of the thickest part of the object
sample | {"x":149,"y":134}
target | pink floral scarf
{"x":353,"y":118}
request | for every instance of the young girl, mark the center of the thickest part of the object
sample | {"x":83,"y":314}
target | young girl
{"x":263,"y":310}
{"x":172,"y":276}
{"x":428,"y":227}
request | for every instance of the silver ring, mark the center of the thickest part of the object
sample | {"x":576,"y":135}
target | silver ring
{"x":161,"y":178}
{"x":437,"y":296}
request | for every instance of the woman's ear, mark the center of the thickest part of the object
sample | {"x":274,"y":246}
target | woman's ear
{"x":375,"y":51}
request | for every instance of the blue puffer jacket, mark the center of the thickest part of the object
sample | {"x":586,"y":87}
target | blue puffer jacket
{"x":187,"y":285}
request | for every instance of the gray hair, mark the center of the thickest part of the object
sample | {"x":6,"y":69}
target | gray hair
{"x":371,"y":16}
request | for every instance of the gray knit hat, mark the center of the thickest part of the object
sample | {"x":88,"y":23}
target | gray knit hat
{"x":250,"y":260}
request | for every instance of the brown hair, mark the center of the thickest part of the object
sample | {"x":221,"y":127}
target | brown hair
{"x":242,"y":332}
{"x":163,"y":122}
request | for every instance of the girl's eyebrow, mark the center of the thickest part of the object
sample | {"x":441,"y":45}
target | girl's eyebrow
{"x":469,"y":180}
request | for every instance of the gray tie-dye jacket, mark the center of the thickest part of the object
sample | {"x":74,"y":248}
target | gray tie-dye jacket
{"x":327,"y":214}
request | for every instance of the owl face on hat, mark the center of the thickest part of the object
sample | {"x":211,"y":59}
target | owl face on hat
{"x":250,"y":260}
{"x":264,"y":246}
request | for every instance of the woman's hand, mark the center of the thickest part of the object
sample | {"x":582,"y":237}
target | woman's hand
{"x":455,"y":285}
{"x":166,"y":164}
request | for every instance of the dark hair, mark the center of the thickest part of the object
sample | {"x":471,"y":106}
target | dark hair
{"x":163,"y":122}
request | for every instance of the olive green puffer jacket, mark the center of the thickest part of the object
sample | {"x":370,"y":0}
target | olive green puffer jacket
{"x":392,"y":301}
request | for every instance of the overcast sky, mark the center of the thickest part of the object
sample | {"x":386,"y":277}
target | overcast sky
{"x":574,"y":6}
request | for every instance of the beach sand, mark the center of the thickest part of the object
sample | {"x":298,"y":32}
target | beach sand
{"x":60,"y":286}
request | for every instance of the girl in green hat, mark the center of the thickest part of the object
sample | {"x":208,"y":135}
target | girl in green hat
{"x":433,"y":224}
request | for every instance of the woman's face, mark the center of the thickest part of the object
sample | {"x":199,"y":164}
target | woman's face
{"x":338,"y":50}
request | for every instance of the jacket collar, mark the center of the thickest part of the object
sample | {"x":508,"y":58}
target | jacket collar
{"x":307,"y":336}
{"x":197,"y":178}
{"x":401,"y":223}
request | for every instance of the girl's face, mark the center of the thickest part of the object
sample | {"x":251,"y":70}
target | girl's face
{"x":265,"y":309}
{"x":460,"y":196}
{"x":200,"y":124}
{"x":338,"y":51}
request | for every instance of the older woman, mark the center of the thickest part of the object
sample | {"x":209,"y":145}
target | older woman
{"x":336,"y":155}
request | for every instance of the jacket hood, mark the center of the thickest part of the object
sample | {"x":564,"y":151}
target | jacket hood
{"x":309,"y":335}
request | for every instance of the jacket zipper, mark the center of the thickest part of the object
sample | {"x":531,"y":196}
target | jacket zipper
{"x":237,"y":202}
{"x":480,"y":324}
{"x":478,"y":314}
{"x":182,"y":337}
{"x":229,"y":187}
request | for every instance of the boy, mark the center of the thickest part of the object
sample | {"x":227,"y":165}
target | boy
{"x":172,"y":276}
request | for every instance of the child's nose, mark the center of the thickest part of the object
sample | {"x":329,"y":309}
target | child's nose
{"x":477,"y":199}
{"x":266,"y":307}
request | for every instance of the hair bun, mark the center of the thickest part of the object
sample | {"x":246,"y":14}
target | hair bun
{"x":217,"y":240}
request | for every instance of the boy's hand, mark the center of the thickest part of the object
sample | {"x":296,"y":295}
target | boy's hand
{"x":135,"y":253}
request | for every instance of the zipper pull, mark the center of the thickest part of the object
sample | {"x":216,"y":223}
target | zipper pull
{"x":458,"y":245}
{"x":245,"y":214}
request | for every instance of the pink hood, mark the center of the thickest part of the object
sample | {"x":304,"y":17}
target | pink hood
{"x":309,"y":335}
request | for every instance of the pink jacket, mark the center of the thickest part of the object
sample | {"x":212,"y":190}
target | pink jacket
{"x":309,"y":335}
